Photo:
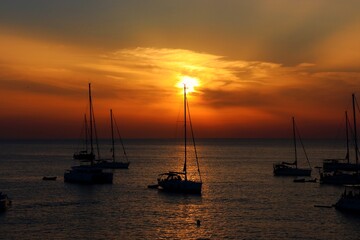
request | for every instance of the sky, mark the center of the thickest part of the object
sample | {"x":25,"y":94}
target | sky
{"x":257,"y":63}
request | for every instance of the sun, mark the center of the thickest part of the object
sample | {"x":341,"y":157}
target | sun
{"x":189,"y":82}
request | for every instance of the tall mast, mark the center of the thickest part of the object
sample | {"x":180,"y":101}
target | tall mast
{"x":112,"y":136}
{"x":185,"y":131}
{"x":356,"y":145}
{"x":294,"y":135}
{"x":91,"y":123}
{"x":347,"y":137}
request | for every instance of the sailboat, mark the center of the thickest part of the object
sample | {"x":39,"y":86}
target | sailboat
{"x":345,"y":176}
{"x":330,"y":165}
{"x":291,"y":168}
{"x":85,"y":155}
{"x":113,"y":164}
{"x":179,"y":181}
{"x":5,"y":202}
{"x":89,"y":173}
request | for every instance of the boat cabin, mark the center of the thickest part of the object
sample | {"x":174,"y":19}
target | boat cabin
{"x":171,"y":176}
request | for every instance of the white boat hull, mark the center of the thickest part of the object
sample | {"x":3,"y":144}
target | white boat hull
{"x":88,"y":175}
{"x":112,"y":165}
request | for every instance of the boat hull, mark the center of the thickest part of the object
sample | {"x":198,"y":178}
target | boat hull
{"x":334,"y":165}
{"x":284,"y":170}
{"x":88,"y":175}
{"x":113,"y":165}
{"x":181,"y":186}
{"x":339,"y":178}
{"x":348,"y":204}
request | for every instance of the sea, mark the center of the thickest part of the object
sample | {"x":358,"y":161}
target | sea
{"x":241,"y":199}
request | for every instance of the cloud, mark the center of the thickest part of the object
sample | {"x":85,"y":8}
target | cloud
{"x":37,"y":87}
{"x":130,"y":79}
{"x":228,"y":83}
{"x":157,"y":64}
{"x":286,"y":32}
{"x":149,"y":76}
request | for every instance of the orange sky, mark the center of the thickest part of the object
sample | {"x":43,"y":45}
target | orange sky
{"x":257,"y":64}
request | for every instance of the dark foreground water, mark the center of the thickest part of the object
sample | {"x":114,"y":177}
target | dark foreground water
{"x":241,"y":198}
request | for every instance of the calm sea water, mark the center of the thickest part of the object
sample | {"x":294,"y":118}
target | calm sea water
{"x":241,"y":198}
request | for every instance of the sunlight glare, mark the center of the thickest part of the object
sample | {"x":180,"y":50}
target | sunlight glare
{"x":190,"y":83}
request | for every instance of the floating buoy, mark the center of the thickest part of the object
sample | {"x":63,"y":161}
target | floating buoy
{"x":49,"y":178}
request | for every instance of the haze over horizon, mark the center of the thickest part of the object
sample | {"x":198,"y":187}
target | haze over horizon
{"x":258,"y":63}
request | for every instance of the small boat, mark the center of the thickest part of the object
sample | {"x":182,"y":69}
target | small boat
{"x":179,"y":181}
{"x":112,"y":163}
{"x":291,"y":168}
{"x":176,"y":182}
{"x":5,"y":202}
{"x":88,"y":173}
{"x":350,"y":199}
{"x":49,"y":178}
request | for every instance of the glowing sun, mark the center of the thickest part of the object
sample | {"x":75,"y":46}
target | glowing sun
{"x":189,"y":82}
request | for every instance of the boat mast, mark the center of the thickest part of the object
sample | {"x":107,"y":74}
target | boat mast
{"x":91,"y":124}
{"x":185,"y":131}
{"x":347,"y":138}
{"x":120,"y":138}
{"x":356,"y":144}
{"x":112,"y":136}
{"x":86,"y":134}
{"x":294,"y":135}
